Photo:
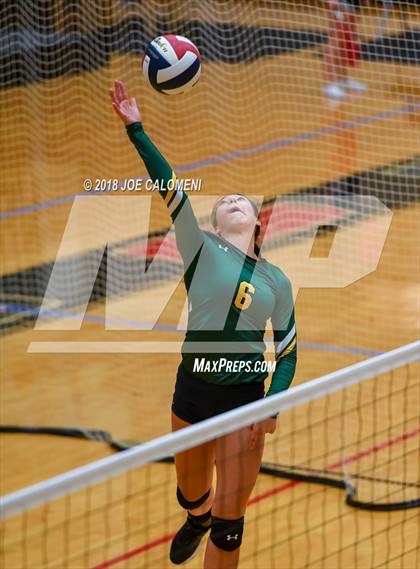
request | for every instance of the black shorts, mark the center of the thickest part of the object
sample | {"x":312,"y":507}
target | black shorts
{"x":195,"y":400}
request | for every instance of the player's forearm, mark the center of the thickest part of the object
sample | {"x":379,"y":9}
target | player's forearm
{"x":284,"y":373}
{"x":189,"y":237}
{"x":156,"y":165}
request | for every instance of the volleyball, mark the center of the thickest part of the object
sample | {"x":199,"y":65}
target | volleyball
{"x":171,"y":64}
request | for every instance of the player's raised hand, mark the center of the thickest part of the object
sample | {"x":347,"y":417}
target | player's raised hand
{"x":125,"y":107}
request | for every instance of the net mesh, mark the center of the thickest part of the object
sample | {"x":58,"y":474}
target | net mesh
{"x":365,"y":436}
{"x":264,"y":127}
{"x":258,"y":122}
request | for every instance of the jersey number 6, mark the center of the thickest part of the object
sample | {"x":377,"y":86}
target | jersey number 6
{"x":243,"y":298}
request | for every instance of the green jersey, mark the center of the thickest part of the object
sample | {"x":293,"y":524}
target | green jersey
{"x":230,"y":295}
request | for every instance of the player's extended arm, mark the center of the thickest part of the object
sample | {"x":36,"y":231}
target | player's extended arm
{"x":188,"y":235}
{"x":283,"y":320}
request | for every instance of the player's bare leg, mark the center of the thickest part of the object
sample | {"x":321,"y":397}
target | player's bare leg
{"x":237,"y":468}
{"x":194,"y":468}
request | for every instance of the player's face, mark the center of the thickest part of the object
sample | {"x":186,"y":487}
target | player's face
{"x":234,"y":213}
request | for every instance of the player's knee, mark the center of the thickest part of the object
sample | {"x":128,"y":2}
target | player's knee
{"x":191,"y":504}
{"x":227,"y":534}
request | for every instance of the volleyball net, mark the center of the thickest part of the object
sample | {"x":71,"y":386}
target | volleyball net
{"x":339,"y":485}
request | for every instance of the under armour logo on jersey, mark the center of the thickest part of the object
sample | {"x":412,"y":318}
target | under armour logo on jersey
{"x":225,"y":249}
{"x":229,"y":537}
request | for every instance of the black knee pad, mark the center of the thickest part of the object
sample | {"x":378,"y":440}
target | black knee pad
{"x":227,"y":534}
{"x":187,"y":504}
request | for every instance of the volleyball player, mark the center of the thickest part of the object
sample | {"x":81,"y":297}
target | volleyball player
{"x":342,"y":51}
{"x":226,"y":260}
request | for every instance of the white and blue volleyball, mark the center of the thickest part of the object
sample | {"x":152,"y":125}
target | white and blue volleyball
{"x":171,"y":64}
